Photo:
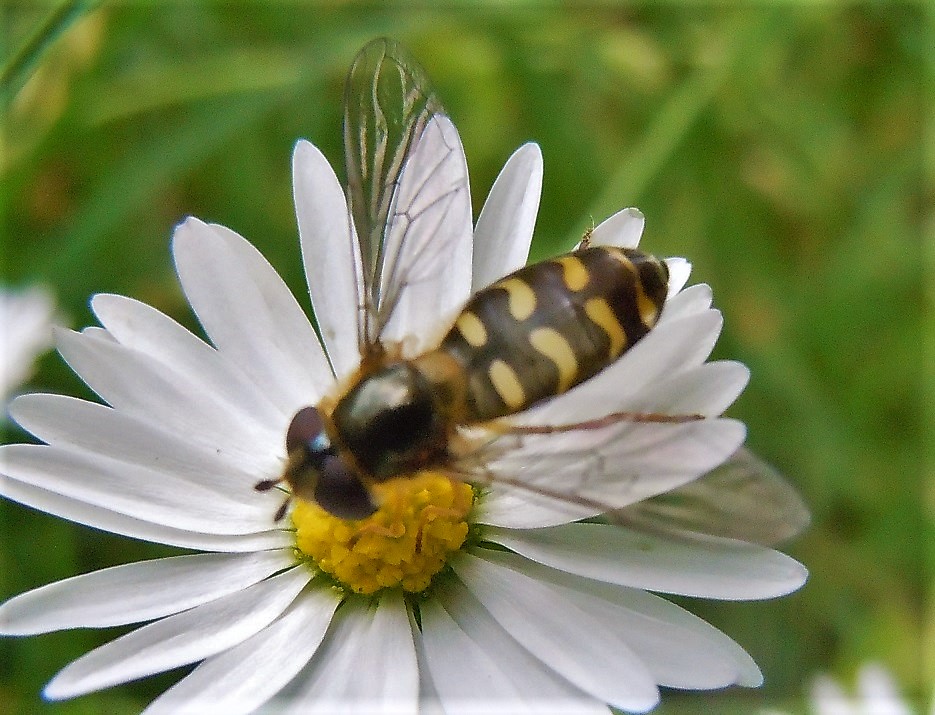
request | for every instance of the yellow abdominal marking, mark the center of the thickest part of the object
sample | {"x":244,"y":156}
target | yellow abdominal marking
{"x":422,"y":520}
{"x":507,"y":384}
{"x":554,"y":346}
{"x":522,"y":297}
{"x":599,"y":311}
{"x":472,"y":329}
{"x":649,"y":311}
{"x":574,"y":273}
{"x":622,"y":258}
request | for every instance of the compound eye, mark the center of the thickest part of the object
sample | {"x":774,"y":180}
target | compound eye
{"x":340,"y":492}
{"x":305,"y":428}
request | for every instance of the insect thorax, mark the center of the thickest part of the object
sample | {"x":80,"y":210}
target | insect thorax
{"x":391,"y":422}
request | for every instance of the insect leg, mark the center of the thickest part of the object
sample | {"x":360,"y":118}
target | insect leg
{"x":598,"y":423}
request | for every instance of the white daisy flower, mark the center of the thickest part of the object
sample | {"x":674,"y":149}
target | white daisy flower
{"x":25,"y":333}
{"x":493,"y":598}
{"x":877,"y":694}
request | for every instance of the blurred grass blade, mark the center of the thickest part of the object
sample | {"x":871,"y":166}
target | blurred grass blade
{"x":133,"y":181}
{"x":675,"y":119}
{"x":228,"y":72}
{"x":649,"y":157}
{"x":21,"y":63}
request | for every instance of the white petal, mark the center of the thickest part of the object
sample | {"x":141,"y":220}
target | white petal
{"x":248,"y":675}
{"x":250,"y":315}
{"x":330,"y":255}
{"x":99,"y":333}
{"x":692,"y":300}
{"x":106,"y":520}
{"x":479,"y":668}
{"x":516,"y":509}
{"x":877,"y":694}
{"x":828,"y":698}
{"x":706,"y":389}
{"x":680,"y":649}
{"x":708,"y":568}
{"x":180,"y":639}
{"x":679,"y":271}
{"x":143,"y":328}
{"x":136,"y":592}
{"x":367,"y":664}
{"x":505,"y":225}
{"x":138,"y":385}
{"x":623,"y":229}
{"x":687,"y":652}
{"x":427,"y":254}
{"x":555,"y":630}
{"x":77,"y":425}
{"x":26,"y":326}
{"x":136,"y":491}
{"x":429,"y":702}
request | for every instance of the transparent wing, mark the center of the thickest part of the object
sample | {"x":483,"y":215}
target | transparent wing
{"x":599,"y":466}
{"x":639,"y":473}
{"x":745,"y":498}
{"x":389,"y":108}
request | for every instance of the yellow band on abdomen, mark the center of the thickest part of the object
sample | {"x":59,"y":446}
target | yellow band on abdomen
{"x":507,"y":384}
{"x":556,"y":348}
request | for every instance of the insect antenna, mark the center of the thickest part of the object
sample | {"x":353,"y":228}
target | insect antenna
{"x":586,"y":238}
{"x":281,"y":511}
{"x":264,"y":485}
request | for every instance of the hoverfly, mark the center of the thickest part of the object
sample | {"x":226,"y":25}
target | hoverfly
{"x":516,"y":343}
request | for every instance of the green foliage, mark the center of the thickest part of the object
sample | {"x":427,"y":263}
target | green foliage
{"x":780,"y":148}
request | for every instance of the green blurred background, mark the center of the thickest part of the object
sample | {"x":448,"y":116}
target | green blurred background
{"x":781,"y":148}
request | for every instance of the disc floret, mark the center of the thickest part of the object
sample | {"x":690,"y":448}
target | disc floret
{"x":421,"y":522}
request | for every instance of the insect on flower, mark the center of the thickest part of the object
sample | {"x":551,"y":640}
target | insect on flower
{"x":480,"y":465}
{"x":527,"y":337}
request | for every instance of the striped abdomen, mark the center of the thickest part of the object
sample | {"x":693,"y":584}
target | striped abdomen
{"x":547,"y":327}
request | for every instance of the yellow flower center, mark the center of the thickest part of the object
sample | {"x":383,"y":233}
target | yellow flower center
{"x":420,"y":522}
